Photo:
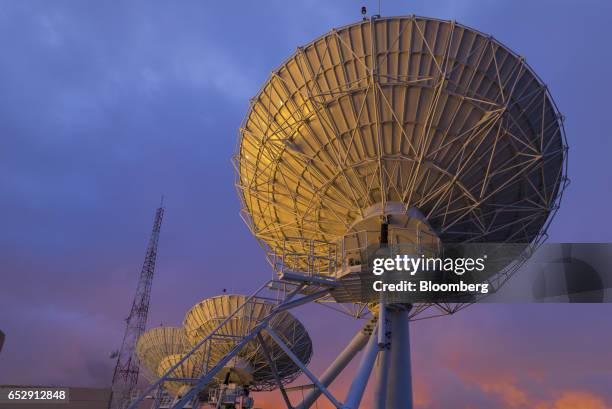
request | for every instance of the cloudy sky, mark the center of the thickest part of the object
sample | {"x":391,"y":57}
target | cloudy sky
{"x":104,"y":106}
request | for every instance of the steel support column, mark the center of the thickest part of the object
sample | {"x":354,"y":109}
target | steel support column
{"x":346,"y":356}
{"x":381,"y":367}
{"x":358,"y":386}
{"x":399,"y":374}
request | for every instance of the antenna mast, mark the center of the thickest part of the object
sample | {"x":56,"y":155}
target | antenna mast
{"x":126,"y":370}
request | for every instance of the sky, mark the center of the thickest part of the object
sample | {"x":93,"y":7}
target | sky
{"x":105,"y":106}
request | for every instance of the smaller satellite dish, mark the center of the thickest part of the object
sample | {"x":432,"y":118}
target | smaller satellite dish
{"x":250,"y":367}
{"x":160,"y":348}
{"x":190,"y":368}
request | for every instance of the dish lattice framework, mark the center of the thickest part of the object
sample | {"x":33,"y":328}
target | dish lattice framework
{"x":444,"y":119}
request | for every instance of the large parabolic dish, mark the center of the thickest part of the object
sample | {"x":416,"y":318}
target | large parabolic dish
{"x":414,"y":113}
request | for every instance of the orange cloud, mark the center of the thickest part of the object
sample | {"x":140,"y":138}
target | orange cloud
{"x":511,"y":394}
{"x":575,"y":400}
{"x":514,"y":397}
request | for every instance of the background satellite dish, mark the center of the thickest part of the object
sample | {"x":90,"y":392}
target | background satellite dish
{"x":157,"y":343}
{"x":250,"y":366}
{"x":160,"y":348}
{"x":189,"y":369}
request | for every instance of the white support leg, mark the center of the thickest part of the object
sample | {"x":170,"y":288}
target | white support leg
{"x":360,"y":382}
{"x":346,"y":356}
{"x":399,"y":375}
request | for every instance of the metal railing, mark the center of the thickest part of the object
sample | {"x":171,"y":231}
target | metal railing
{"x":329,"y":259}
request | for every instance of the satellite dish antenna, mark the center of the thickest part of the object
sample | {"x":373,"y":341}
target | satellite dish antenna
{"x":391,"y":131}
{"x":161,"y":348}
{"x":446,"y":132}
{"x":401,"y":125}
{"x":252,"y":368}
